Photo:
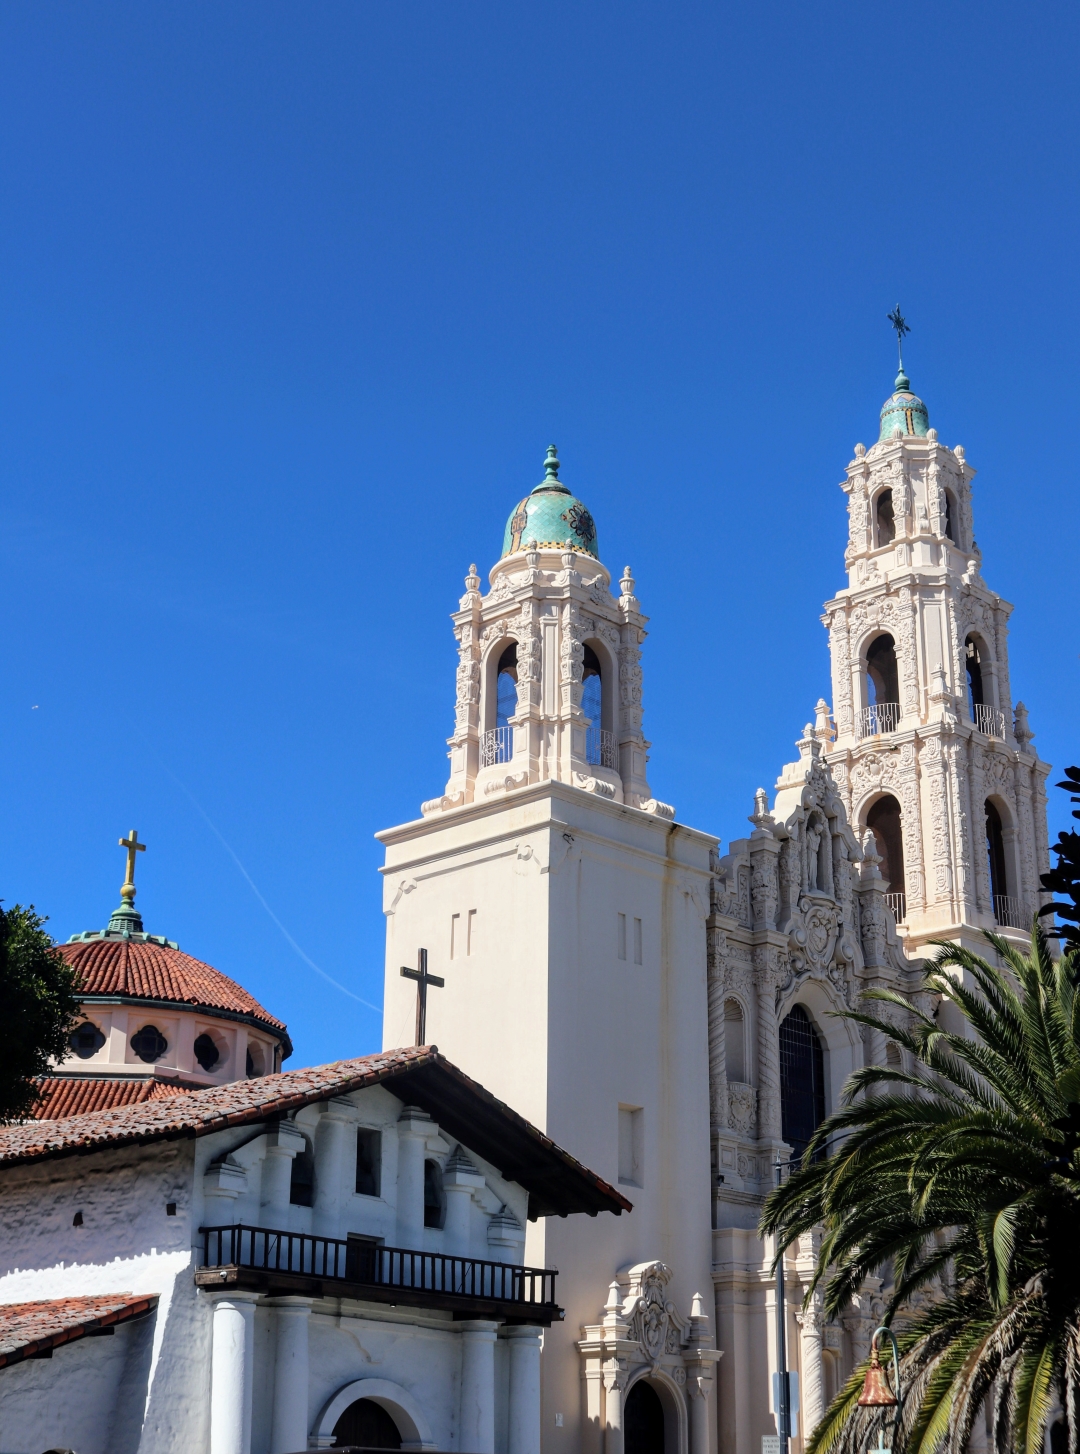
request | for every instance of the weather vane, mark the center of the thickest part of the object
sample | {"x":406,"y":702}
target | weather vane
{"x":899,"y":322}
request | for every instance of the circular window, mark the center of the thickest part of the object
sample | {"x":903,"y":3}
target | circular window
{"x":149,"y":1044}
{"x":206,"y":1052}
{"x":86,"y":1040}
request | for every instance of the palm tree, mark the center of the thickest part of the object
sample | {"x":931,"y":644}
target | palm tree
{"x":960,"y":1172}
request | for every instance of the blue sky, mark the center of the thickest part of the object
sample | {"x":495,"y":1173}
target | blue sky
{"x":292,"y":299}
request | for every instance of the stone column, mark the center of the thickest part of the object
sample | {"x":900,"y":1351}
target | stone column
{"x":477,"y":1420}
{"x":524,"y":1415}
{"x":330,"y":1161}
{"x":413,"y":1128}
{"x":231,"y":1365}
{"x":283,"y":1142}
{"x":614,"y":1388}
{"x":770,"y":1125}
{"x":289,"y":1424}
{"x":813,"y":1368}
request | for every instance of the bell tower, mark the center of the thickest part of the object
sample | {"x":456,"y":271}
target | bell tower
{"x":930,"y":753}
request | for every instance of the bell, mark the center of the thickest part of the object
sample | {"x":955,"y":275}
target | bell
{"x":876,"y":1393}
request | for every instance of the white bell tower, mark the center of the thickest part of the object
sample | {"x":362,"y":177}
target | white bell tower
{"x":930,"y":753}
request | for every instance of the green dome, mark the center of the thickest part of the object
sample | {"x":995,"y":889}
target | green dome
{"x":903,"y":410}
{"x":550,"y":516}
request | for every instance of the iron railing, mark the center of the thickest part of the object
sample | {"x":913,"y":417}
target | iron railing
{"x":262,"y":1249}
{"x":898,"y":904}
{"x":496,"y":746}
{"x":1008,"y":911}
{"x":882,"y":717}
{"x":601,"y":749}
{"x":989,"y":720}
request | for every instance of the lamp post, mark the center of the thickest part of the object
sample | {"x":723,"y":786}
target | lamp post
{"x":785,"y":1384}
{"x":876,"y":1392}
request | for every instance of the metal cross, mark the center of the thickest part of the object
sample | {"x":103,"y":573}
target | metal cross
{"x":423,"y":979}
{"x":133,"y":846}
{"x":899,"y":322}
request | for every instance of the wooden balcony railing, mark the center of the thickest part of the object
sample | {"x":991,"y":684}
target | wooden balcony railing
{"x":357,"y":1267}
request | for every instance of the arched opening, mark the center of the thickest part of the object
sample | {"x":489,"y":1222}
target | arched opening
{"x":882,"y":711}
{"x":596,"y":705}
{"x":499,"y":705}
{"x":802,"y":1080}
{"x":207,"y":1051}
{"x":885,"y":822}
{"x":950,"y":518}
{"x":976,"y":688}
{"x":643,"y":1420}
{"x":506,"y":686}
{"x":734,"y":1042}
{"x":149,"y":1044}
{"x":86,"y":1040}
{"x":302,"y":1178}
{"x":434,"y":1195}
{"x":884,"y":519}
{"x":368,"y":1425}
{"x":998,"y":853}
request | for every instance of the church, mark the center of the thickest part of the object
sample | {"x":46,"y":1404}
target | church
{"x":540,"y":1236}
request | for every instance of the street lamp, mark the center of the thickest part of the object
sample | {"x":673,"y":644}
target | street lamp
{"x":876,"y":1392}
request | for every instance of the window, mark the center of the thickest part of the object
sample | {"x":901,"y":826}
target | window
{"x":995,"y":852}
{"x":622,"y":936}
{"x":975,"y":681}
{"x":734,"y":1042}
{"x":462,"y":935}
{"x":883,"y":820}
{"x":361,"y":1258}
{"x":592,"y":687}
{"x":434,"y":1196}
{"x":86,"y":1040}
{"x":950,"y":518}
{"x":637,"y":941}
{"x":149,"y":1044}
{"x":884,"y":522}
{"x":302,"y":1179}
{"x":366,"y":1425}
{"x":506,"y":687}
{"x":206,"y":1052}
{"x":802,"y":1080}
{"x":368,"y":1162}
{"x":254,"y":1065}
{"x":881,"y":670}
{"x":631,"y":1145}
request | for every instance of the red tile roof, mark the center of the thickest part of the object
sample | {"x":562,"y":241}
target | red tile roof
{"x":29,"y":1328}
{"x":143,"y":970}
{"x":63,"y":1095}
{"x":419,"y":1075}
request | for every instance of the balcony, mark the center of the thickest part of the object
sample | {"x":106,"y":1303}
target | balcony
{"x":989,"y":720}
{"x":898,"y":904}
{"x":496,"y":746}
{"x":1008,"y":911}
{"x":601,"y":749}
{"x":882,"y":717}
{"x":263,"y":1260}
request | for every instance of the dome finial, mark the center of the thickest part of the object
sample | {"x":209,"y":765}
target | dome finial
{"x":899,"y":322}
{"x":127,"y":919}
{"x":551,"y":463}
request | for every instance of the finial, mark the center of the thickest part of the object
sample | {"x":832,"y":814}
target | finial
{"x":551,"y":463}
{"x":133,"y":846}
{"x":127,"y":919}
{"x":899,"y":322}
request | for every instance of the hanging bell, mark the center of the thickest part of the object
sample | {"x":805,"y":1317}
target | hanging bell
{"x":876,"y":1393}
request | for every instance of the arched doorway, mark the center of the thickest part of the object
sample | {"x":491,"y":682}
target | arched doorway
{"x":643,"y":1420}
{"x":368,"y":1425}
{"x":802,"y":1080}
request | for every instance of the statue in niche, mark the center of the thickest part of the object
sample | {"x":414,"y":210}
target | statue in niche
{"x":813,"y":844}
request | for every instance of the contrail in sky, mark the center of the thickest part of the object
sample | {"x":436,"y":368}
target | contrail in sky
{"x":255,"y":890}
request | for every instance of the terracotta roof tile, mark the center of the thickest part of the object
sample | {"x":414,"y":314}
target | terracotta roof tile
{"x":146,"y":971}
{"x":29,"y":1328}
{"x":63,"y":1095}
{"x":557,"y":1183}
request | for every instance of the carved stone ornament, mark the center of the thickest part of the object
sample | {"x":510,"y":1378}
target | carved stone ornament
{"x":653,"y":1321}
{"x":742,"y":1107}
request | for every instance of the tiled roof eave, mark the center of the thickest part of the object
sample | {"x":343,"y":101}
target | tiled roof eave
{"x":134,"y":1307}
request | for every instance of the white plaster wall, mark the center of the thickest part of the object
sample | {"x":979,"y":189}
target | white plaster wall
{"x":547,"y":1017}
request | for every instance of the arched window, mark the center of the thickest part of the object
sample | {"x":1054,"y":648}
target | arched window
{"x":434,"y":1196}
{"x":884,"y":821}
{"x":802,"y":1080}
{"x":506,"y":686}
{"x":599,"y":739}
{"x":950,"y":518}
{"x":976,"y":688}
{"x":734,"y":1042}
{"x":367,"y":1425}
{"x":882,"y":710}
{"x":998,"y":845}
{"x":884,"y":521}
{"x":302,"y":1178}
{"x":591,"y":688}
{"x":643,"y":1420}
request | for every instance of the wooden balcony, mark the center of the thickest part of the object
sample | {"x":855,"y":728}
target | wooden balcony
{"x":261,"y":1259}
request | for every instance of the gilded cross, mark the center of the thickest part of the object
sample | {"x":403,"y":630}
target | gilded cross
{"x":423,"y":979}
{"x":133,"y":846}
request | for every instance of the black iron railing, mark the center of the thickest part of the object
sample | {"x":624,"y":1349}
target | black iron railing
{"x":357,"y":1260}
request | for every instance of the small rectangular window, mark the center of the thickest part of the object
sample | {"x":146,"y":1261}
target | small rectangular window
{"x":622,"y":936}
{"x":368,"y":1162}
{"x":470,"y":942}
{"x":637,"y":942}
{"x":631,"y":1145}
{"x":455,"y":935}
